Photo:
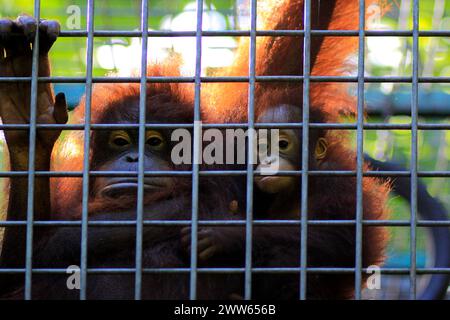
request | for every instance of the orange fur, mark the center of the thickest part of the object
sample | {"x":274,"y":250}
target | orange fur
{"x":330,"y":197}
{"x":283,"y":55}
{"x":66,"y":192}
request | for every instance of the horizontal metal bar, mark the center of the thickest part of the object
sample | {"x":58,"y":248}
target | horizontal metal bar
{"x":171,"y":223}
{"x":370,"y":79}
{"x":259,"y":33}
{"x":210,"y":79}
{"x":329,"y":270}
{"x":322,"y":173}
{"x":330,"y":126}
{"x":96,"y":126}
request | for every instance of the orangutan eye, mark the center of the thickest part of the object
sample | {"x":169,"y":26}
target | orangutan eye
{"x":155,"y":140}
{"x":283,"y":144}
{"x":119,"y":139}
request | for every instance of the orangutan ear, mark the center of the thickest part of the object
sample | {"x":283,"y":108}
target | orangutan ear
{"x":321,"y":148}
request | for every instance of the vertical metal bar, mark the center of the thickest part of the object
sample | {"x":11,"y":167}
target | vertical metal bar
{"x":360,"y":151}
{"x":141,"y":157}
{"x":305,"y":148}
{"x":32,"y":156}
{"x":86,"y":148}
{"x":196,"y":150}
{"x":251,"y":125}
{"x":414,"y":120}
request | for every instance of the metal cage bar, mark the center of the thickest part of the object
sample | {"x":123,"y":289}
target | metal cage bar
{"x":141,"y":158}
{"x":359,"y":151}
{"x":213,"y":79}
{"x":86,"y":149}
{"x":305,"y":150}
{"x":250,"y":153}
{"x":259,"y":33}
{"x":31,"y":160}
{"x":230,"y":270}
{"x":330,"y":126}
{"x":414,"y":150}
{"x":343,"y":173}
{"x":196,"y":151}
{"x":121,"y":223}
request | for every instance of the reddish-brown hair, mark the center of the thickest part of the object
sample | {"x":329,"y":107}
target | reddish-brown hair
{"x":109,"y":101}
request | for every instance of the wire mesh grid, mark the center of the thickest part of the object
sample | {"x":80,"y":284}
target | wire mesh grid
{"x":248,"y":270}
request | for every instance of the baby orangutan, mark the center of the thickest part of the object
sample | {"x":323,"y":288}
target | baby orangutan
{"x":284,"y":154}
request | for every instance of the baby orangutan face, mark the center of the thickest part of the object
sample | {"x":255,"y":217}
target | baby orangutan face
{"x":283,"y":151}
{"x":287,"y":158}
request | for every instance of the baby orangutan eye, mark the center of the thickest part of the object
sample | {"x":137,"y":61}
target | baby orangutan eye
{"x":283,"y":144}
